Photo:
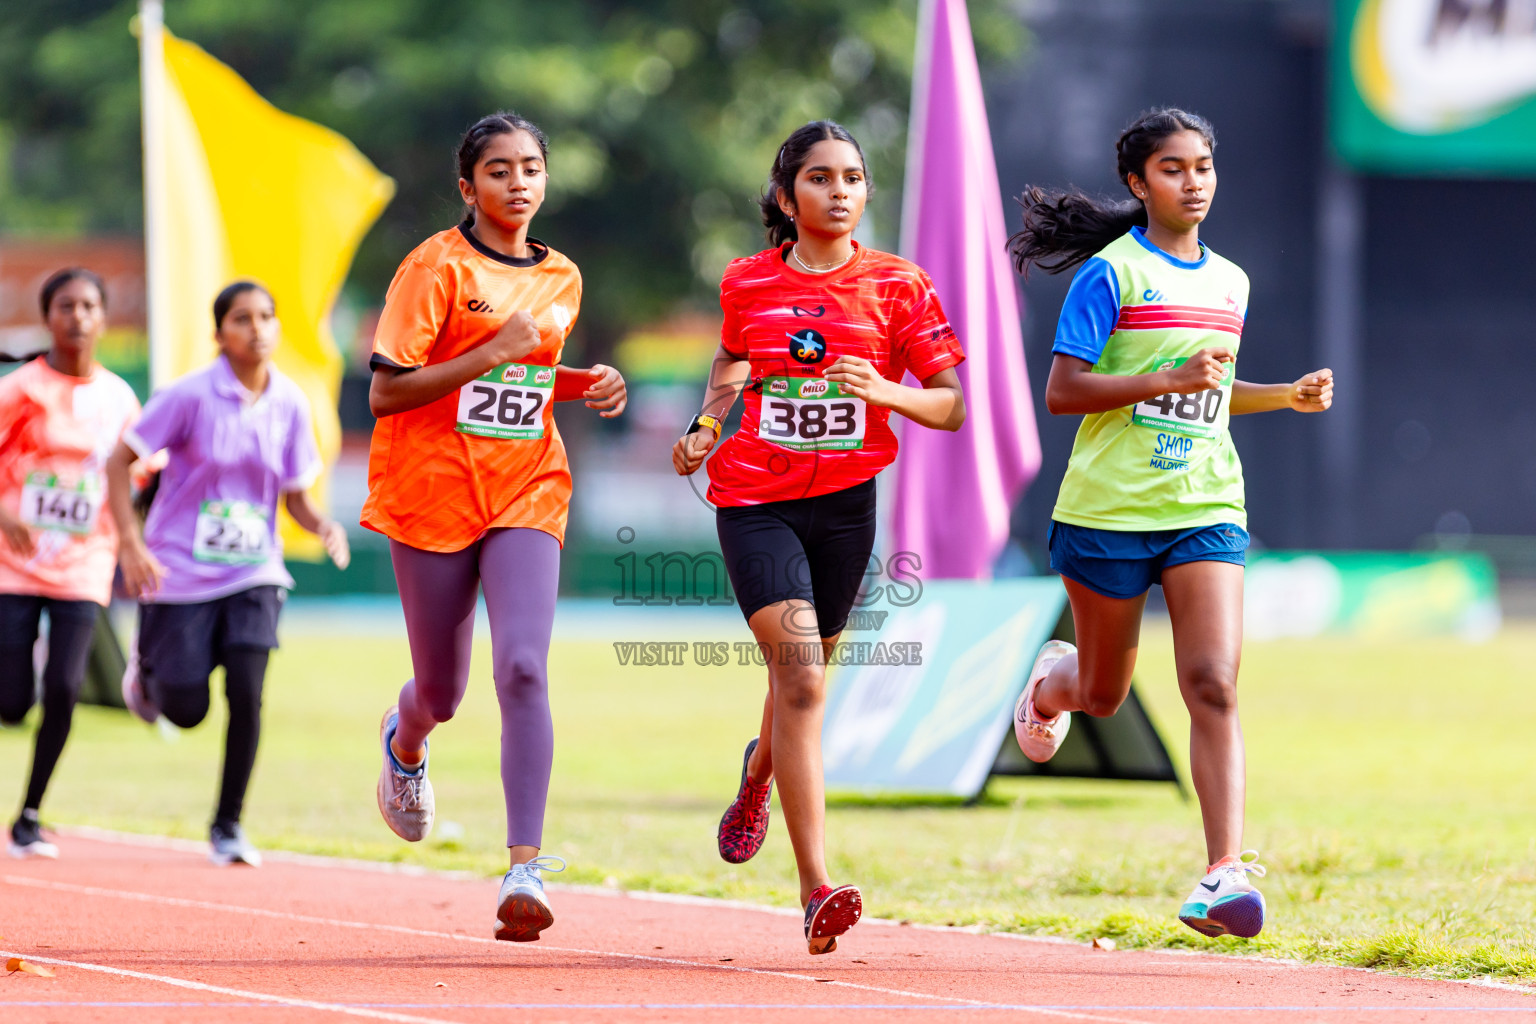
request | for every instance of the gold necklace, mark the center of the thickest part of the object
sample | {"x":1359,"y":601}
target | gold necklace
{"x":817,"y":268}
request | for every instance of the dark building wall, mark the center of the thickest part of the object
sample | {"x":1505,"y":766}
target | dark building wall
{"x":1446,"y":311}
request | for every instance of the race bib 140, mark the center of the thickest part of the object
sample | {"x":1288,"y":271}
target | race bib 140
{"x":50,"y":502}
{"x":507,"y":403}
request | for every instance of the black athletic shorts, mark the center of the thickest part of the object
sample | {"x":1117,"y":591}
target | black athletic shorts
{"x":809,"y":549}
{"x":179,"y":644}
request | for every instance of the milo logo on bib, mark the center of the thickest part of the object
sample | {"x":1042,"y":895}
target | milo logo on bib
{"x":810,"y":414}
{"x":514,"y":373}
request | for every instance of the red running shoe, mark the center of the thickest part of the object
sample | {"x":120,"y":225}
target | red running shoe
{"x":745,"y":824}
{"x":830,"y":913}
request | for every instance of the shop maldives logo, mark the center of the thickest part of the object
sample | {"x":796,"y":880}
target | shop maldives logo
{"x":1436,"y":66}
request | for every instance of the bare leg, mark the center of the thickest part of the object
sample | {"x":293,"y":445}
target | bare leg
{"x":1205,"y":603}
{"x":1096,"y":679}
{"x":797,"y":696}
{"x":760,"y":764}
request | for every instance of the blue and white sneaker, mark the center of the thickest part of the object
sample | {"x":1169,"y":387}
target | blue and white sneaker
{"x":405,"y":797}
{"x":522,"y":909}
{"x":1224,"y":903}
{"x":227,"y":845}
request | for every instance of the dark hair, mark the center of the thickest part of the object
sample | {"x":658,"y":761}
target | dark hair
{"x":61,"y":278}
{"x":503,"y":122}
{"x":788,"y":163}
{"x":232,"y":292}
{"x":1062,"y":229}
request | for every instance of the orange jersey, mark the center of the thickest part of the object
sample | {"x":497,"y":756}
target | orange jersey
{"x":487,"y":454}
{"x":56,"y":432}
{"x":800,"y":436}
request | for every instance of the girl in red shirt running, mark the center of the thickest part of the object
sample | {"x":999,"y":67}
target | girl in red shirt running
{"x":818,"y":333}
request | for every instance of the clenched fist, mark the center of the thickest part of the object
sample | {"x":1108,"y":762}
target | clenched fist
{"x":516,"y":340}
{"x":1202,"y":371}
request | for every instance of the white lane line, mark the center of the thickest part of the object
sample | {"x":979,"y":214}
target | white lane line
{"x":178,"y":901}
{"x":198,"y":986}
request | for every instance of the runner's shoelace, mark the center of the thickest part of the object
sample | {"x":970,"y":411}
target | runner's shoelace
{"x":529,"y":870}
{"x":1247,"y":863}
{"x":409,"y":797}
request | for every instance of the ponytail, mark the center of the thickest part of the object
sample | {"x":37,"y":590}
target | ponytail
{"x":1062,"y":229}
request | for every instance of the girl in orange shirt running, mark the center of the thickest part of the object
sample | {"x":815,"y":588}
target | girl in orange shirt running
{"x":467,"y":476}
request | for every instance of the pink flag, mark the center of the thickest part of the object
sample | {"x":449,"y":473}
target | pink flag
{"x":954,"y":491}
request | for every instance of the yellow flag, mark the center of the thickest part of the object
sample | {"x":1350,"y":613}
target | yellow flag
{"x":244,"y":190}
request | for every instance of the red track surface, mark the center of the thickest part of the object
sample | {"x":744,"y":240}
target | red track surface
{"x":153,"y":933}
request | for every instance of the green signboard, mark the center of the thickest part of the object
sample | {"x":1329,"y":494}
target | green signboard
{"x":1436,"y":87}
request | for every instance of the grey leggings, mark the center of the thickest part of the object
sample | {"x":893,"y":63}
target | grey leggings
{"x":519,"y":570}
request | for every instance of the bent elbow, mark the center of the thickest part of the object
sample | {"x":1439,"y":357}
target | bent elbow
{"x":958,"y":419}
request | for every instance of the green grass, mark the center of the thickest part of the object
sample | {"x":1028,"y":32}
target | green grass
{"x":1392,"y":792}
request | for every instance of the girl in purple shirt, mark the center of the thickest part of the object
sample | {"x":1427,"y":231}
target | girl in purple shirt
{"x":208,"y":567}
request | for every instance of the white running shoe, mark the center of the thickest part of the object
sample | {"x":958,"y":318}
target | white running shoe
{"x":228,"y":845}
{"x":27,"y":839}
{"x":522,"y":909}
{"x":1224,"y":903}
{"x":1038,"y":737}
{"x":134,"y":697}
{"x":405,"y":797}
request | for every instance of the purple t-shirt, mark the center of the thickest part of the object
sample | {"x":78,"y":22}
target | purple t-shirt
{"x":213,"y":524}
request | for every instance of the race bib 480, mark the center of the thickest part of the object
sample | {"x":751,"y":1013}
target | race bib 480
{"x":1196,"y":415}
{"x":52,"y":503}
{"x":507,"y":403}
{"x":810,"y":414}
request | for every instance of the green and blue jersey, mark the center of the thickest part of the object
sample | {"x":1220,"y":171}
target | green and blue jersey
{"x":1168,"y":462}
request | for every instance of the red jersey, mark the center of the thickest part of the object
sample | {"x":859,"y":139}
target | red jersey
{"x":801,"y":435}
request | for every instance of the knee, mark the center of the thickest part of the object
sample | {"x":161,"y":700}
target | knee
{"x":1102,"y":705}
{"x":184,"y":707}
{"x":1211,"y":687}
{"x":14,"y":709}
{"x":802,"y":688}
{"x":438,"y":706}
{"x":520,"y":676}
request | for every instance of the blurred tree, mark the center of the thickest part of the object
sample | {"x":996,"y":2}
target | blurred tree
{"x":663,"y":116}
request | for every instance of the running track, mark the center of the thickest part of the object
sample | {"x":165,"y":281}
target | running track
{"x":149,"y":931}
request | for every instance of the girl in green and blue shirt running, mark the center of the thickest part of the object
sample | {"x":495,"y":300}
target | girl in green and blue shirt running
{"x":1146,"y":352}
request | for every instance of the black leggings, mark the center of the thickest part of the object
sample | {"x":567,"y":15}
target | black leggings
{"x":71,"y":626}
{"x":186,"y":706}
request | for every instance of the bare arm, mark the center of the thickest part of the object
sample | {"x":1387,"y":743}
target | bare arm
{"x":142,"y":572}
{"x":1074,"y":389}
{"x":1312,"y":393}
{"x":602,"y":386}
{"x":939,"y":403}
{"x":302,"y":507}
{"x":396,"y":390}
{"x":727,"y":376}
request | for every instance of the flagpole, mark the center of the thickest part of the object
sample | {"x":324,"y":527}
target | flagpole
{"x":152,"y":100}
{"x":917,"y":127}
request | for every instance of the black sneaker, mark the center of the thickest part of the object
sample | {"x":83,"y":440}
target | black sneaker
{"x":229,"y":846}
{"x":27,"y":839}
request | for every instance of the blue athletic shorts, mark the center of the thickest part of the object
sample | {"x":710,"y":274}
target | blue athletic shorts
{"x":1125,"y":563}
